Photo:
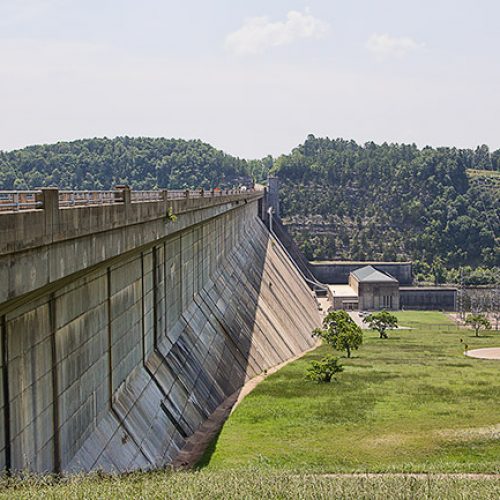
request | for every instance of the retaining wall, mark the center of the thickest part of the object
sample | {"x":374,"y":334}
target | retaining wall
{"x":336,"y":273}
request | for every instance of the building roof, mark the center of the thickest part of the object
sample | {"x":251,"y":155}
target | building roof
{"x":342,"y":291}
{"x":369,"y":274}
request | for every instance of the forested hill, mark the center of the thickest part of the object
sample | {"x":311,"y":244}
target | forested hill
{"x":341,"y":200}
{"x":392,"y":202}
{"x":142,"y":163}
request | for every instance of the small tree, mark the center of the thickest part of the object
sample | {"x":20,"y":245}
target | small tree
{"x":477,"y":321}
{"x":340,"y":331}
{"x":324,"y":370}
{"x":381,"y":321}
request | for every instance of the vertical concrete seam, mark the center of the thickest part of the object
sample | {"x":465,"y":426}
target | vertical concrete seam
{"x":165,"y":322}
{"x":121,"y":421}
{"x":155,"y":297}
{"x":55,"y":384}
{"x":110,"y":339}
{"x":6,"y":398}
{"x":143,"y":323}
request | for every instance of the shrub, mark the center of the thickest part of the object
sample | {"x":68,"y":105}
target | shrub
{"x":324,"y":370}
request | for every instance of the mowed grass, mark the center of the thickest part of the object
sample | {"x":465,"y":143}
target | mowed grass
{"x":250,"y":484}
{"x":411,"y":403}
{"x":421,"y":318}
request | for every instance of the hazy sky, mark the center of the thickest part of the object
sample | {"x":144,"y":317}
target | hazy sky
{"x":251,"y":77}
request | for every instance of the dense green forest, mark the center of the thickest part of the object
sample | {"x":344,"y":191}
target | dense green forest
{"x":436,"y":206}
{"x":142,"y":163}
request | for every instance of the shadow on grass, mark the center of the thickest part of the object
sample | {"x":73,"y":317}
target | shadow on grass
{"x":207,"y":455}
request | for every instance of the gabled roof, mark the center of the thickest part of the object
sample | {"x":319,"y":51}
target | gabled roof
{"x":369,"y":274}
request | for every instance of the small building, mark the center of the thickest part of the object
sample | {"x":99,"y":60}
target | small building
{"x":375,"y":289}
{"x":343,"y":297}
{"x":372,"y":289}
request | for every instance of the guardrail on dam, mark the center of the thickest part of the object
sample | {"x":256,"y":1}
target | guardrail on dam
{"x":122,"y":330}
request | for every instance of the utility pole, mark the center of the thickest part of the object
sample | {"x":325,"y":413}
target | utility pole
{"x":461,"y":295}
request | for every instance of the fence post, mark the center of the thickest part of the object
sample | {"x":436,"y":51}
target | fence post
{"x":125,"y":195}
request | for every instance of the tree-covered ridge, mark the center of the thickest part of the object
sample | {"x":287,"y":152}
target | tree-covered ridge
{"x":391,"y":202}
{"x":142,"y":163}
{"x":341,"y":200}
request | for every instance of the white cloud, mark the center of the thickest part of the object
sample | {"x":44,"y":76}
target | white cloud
{"x":259,"y":33}
{"x":385,"y":46}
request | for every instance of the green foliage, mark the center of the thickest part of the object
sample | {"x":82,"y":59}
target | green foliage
{"x":340,"y":332}
{"x":340,"y":200}
{"x":344,"y":201}
{"x":381,"y":321}
{"x":324,"y":370}
{"x":141,"y":163}
{"x":478,"y":321}
{"x":171,"y":217}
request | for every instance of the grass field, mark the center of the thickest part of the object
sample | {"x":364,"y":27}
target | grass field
{"x":412,"y":402}
{"x":251,"y":484}
{"x":421,"y":318}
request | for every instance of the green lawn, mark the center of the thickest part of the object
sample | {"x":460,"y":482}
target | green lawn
{"x":412,"y":402}
{"x":421,"y":318}
{"x":409,"y":403}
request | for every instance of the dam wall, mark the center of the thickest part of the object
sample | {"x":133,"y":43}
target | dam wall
{"x":121,"y":331}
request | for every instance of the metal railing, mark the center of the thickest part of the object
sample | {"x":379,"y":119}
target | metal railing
{"x":13,"y":201}
{"x":85,"y":198}
{"x":31,"y":200}
{"x":142,"y":196}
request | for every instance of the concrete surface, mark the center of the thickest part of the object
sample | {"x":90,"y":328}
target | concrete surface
{"x":126,"y":341}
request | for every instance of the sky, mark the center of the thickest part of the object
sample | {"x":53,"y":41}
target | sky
{"x":251,"y":77}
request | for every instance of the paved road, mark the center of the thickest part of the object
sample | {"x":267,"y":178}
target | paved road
{"x":358,"y":319}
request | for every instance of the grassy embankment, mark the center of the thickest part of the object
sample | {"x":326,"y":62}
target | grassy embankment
{"x":411,"y":403}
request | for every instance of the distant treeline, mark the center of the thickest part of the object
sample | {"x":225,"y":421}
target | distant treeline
{"x":142,"y":163}
{"x":436,"y":206}
{"x":394,"y":202}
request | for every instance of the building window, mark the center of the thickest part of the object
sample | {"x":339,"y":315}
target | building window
{"x":387,"y":301}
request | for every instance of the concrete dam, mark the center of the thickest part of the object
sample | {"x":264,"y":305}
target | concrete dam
{"x":127,"y":318}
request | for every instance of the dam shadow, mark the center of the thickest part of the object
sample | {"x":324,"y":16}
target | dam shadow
{"x":254,"y":312}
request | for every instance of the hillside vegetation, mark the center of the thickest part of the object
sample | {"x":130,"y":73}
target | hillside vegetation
{"x":343,"y":200}
{"x":142,"y":163}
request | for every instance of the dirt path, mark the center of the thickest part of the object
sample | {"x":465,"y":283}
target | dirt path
{"x":486,"y":353}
